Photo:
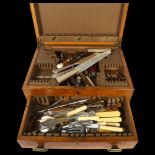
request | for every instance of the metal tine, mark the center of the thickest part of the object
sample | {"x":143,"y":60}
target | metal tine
{"x":57,"y":102}
{"x":98,"y":106}
{"x":78,"y":101}
{"x":51,"y":106}
{"x":69,"y":104}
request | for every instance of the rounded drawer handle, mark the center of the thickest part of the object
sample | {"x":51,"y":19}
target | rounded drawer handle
{"x":114,"y":148}
{"x":38,"y":149}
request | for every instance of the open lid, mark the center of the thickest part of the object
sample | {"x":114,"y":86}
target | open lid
{"x":79,"y":23}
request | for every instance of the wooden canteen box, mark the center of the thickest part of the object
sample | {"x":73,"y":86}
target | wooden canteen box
{"x":72,"y":29}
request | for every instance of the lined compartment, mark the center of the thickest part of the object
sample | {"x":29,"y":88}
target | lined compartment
{"x":48,"y":59}
{"x":112,"y":75}
{"x":111,"y":64}
{"x":45,"y":63}
{"x":42,"y":102}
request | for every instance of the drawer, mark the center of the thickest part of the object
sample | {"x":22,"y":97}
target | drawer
{"x":42,"y":65}
{"x":111,"y":141}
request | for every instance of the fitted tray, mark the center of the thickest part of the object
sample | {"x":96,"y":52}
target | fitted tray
{"x":44,"y":61}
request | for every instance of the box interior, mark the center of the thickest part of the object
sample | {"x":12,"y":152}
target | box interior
{"x":31,"y":124}
{"x":107,"y":72}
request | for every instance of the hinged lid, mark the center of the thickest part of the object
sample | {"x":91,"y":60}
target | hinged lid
{"x":79,"y":23}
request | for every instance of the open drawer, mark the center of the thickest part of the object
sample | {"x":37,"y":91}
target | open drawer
{"x":92,"y":139}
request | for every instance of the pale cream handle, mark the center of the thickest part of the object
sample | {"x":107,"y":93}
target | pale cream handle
{"x":109,"y":123}
{"x":108,"y":114}
{"x":111,"y":128}
{"x":73,"y":112}
{"x":110,"y":119}
{"x":113,"y":124}
{"x":66,"y":75}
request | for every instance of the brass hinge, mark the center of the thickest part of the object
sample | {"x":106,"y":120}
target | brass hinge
{"x":38,"y":40}
{"x":39,"y":43}
{"x":117,"y":45}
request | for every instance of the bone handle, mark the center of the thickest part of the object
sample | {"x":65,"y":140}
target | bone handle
{"x":111,"y":128}
{"x":110,"y":119}
{"x":73,"y":112}
{"x":90,"y":81}
{"x":108,"y":114}
{"x":66,"y":76}
{"x":109,"y":123}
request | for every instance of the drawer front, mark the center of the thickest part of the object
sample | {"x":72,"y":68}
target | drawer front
{"x":97,"y":91}
{"x":75,"y":141}
{"x":109,"y":146}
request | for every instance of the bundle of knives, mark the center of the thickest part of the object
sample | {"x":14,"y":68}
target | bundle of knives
{"x":77,"y":64}
{"x":79,"y":116}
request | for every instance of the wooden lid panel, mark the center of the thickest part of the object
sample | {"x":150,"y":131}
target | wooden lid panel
{"x":75,"y":19}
